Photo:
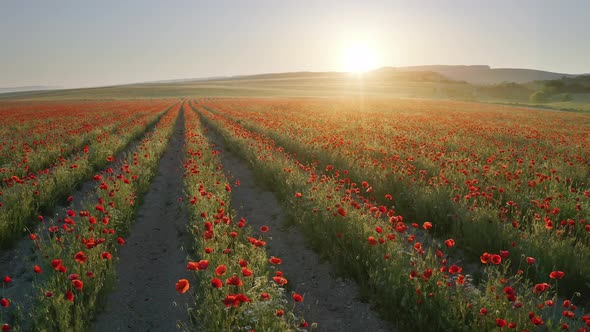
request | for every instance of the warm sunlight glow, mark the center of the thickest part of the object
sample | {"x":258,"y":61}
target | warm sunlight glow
{"x":359,"y":58}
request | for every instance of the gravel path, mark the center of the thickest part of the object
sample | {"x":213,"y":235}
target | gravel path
{"x":153,"y":258}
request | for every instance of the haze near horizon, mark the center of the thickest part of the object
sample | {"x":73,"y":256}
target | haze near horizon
{"x":73,"y":44}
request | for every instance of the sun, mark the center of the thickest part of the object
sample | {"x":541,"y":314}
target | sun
{"x":359,"y":58}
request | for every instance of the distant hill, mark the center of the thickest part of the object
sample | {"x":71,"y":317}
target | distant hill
{"x":479,"y":74}
{"x":27,"y":88}
{"x":286,"y":75}
{"x":483,"y":74}
{"x":440,"y":82}
{"x":183,"y":80}
{"x":385,"y":73}
{"x":391,"y":73}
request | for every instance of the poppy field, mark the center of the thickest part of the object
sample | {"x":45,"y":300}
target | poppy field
{"x":449,"y":216}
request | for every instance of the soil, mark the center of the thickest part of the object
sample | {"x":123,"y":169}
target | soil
{"x":153,"y":258}
{"x":331,"y":302}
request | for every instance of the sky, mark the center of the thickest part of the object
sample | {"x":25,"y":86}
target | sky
{"x":96,"y":43}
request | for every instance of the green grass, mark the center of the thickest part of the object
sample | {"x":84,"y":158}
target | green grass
{"x":320,"y":86}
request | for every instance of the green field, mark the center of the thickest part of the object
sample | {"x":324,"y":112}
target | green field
{"x":304,"y":85}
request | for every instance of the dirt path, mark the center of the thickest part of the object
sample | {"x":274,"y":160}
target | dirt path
{"x":153,"y":258}
{"x":331,"y":302}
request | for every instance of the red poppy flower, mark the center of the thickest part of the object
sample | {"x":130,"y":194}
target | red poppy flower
{"x":216,"y":282}
{"x":182,"y":286}
{"x":556,"y":274}
{"x":275,"y":260}
{"x":449,"y":243}
{"x":496,"y":259}
{"x":235,"y":300}
{"x":5,"y":327}
{"x":70,"y":296}
{"x":78,"y":284}
{"x":455,"y":269}
{"x":509,"y":290}
{"x":37,"y":269}
{"x":530,"y":260}
{"x":243,"y":263}
{"x":297,"y":297}
{"x":7,"y":279}
{"x":4,"y":302}
{"x":246,"y":272}
{"x":536,"y":320}
{"x":280,"y":280}
{"x":264,"y":229}
{"x":500,"y":322}
{"x":539,"y":288}
{"x":341,"y":211}
{"x":427,"y":225}
{"x":234,"y":281}
{"x":80,"y":257}
{"x":280,"y":312}
{"x":220,"y":270}
{"x":106,"y":255}
{"x":485,"y":258}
